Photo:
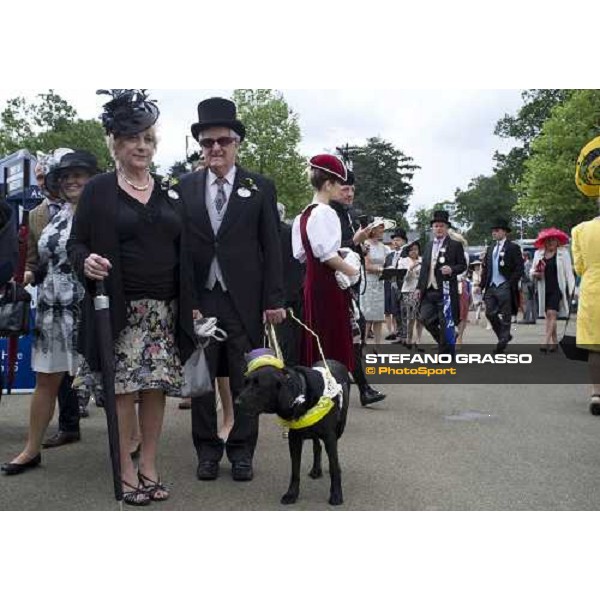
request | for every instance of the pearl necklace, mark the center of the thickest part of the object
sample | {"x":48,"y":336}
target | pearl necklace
{"x":137,"y":188}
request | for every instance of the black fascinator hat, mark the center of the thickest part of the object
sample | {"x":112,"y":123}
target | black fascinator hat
{"x":129,"y":112}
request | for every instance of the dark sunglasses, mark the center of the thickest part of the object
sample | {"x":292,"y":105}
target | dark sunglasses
{"x":208,"y":143}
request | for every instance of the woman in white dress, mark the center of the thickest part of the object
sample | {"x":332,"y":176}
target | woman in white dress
{"x":58,"y":306}
{"x":373,"y":299}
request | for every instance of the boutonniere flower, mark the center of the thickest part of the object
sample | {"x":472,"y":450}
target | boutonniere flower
{"x":247,"y":188}
{"x":168,"y":185}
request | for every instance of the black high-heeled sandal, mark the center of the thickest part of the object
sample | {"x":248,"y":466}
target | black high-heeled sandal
{"x":157,"y":491}
{"x":137,"y":497}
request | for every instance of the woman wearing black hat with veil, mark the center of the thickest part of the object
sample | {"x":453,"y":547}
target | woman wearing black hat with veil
{"x":129,"y":234}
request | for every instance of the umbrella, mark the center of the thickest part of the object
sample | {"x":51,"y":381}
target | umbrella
{"x":546,"y":234}
{"x":107,"y":364}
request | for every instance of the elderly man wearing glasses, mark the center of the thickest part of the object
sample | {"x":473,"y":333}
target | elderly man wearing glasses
{"x":235,"y":246}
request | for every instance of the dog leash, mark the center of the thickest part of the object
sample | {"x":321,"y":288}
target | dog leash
{"x":297,"y":320}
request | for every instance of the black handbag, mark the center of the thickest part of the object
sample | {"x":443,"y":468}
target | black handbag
{"x":568,"y":343}
{"x":15,"y":308}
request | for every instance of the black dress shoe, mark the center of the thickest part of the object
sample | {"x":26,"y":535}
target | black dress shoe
{"x":242,"y":471}
{"x":208,"y":470}
{"x":370,"y":396}
{"x":15,"y":469}
{"x":503,"y":344}
{"x":62,"y":438}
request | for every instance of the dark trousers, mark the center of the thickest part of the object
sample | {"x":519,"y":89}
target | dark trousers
{"x":498,"y":310}
{"x":432,"y":316}
{"x":68,"y":406}
{"x":401,"y":322}
{"x":244,"y":435}
{"x":289,"y":335}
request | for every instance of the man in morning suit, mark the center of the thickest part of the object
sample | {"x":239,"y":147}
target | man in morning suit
{"x":444,"y":260}
{"x":235,"y":246}
{"x":502,"y":270}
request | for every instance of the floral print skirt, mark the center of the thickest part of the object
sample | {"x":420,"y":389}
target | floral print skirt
{"x":146,"y":356}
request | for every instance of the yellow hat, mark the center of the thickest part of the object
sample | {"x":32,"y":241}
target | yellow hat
{"x":587,"y":175}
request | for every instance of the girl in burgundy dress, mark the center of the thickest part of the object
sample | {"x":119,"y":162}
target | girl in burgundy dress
{"x":316,"y":241}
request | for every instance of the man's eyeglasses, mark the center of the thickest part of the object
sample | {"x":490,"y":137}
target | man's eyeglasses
{"x":208,"y":143}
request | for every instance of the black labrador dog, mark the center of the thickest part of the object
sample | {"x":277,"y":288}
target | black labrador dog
{"x":291,"y":393}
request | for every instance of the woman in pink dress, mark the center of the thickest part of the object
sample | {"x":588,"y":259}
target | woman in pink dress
{"x":316,"y":241}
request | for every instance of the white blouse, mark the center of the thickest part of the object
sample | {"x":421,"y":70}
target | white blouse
{"x":324,"y":234}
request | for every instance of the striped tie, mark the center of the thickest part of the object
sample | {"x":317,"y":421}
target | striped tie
{"x":221,"y":199}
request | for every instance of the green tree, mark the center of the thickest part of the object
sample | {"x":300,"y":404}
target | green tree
{"x":485,"y":200}
{"x":49,"y":123}
{"x":525,"y":126}
{"x":272,"y":144}
{"x":422,"y":225}
{"x":383,"y":178}
{"x":548,"y":189}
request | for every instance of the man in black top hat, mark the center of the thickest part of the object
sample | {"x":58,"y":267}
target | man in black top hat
{"x":443,"y":260}
{"x":235,"y":245}
{"x":353,"y":237}
{"x":502,"y":270}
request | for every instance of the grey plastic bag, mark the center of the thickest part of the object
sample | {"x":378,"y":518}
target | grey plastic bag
{"x":196,"y":375}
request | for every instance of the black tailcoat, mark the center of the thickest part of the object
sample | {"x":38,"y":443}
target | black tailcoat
{"x":513,"y":270}
{"x":455,"y":259}
{"x":247,"y":246}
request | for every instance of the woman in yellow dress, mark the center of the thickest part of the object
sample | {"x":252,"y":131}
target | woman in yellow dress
{"x":586,"y":255}
{"x":586,"y":252}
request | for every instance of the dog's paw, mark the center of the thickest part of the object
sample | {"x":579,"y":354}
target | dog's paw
{"x":336,"y":499}
{"x":316,"y":474}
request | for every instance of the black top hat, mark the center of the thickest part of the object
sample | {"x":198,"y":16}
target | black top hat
{"x":441,"y":216}
{"x":128,"y":113}
{"x":399,"y":233}
{"x":350,"y":179}
{"x":218,"y":112}
{"x":79,"y":159}
{"x":501,"y":224}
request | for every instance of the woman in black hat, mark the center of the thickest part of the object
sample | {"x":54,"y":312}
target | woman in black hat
{"x":129,"y":233}
{"x":58,"y":305}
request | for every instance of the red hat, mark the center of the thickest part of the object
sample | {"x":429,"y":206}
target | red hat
{"x":546,"y":234}
{"x":330,"y":164}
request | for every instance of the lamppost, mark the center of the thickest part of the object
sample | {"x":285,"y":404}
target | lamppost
{"x":344,"y":152}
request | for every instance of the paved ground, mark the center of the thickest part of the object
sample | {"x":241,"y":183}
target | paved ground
{"x":425,"y":448}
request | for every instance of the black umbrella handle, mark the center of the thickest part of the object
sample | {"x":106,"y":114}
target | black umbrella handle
{"x":101,"y":300}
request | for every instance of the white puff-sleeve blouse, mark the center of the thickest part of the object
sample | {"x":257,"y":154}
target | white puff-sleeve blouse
{"x":324,"y":234}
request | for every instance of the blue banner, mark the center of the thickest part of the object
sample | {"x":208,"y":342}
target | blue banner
{"x":24,"y":377}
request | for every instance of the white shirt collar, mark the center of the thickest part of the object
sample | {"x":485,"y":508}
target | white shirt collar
{"x":229,"y":178}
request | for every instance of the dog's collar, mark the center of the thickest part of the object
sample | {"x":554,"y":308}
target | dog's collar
{"x":312,"y":417}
